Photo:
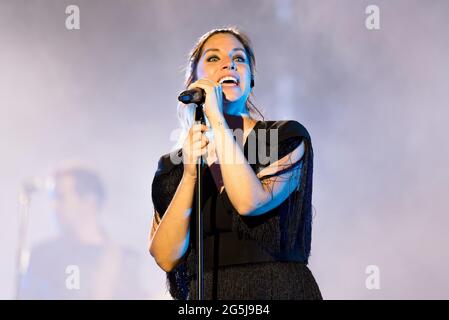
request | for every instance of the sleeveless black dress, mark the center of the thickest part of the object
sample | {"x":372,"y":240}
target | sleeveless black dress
{"x":262,"y":257}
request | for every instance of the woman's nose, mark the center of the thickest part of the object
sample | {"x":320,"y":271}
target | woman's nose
{"x":230,"y":65}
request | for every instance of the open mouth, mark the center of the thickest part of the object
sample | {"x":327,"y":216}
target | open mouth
{"x":229,"y":81}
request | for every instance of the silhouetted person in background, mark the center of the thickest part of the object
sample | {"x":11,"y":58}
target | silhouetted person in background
{"x":83,"y":262}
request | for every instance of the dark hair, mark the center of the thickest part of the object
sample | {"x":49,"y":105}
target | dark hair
{"x":87,"y":182}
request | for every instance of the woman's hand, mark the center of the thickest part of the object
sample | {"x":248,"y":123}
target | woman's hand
{"x":194,"y":146}
{"x":213,"y":105}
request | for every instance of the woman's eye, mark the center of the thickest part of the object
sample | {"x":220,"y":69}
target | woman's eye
{"x":215,"y":58}
{"x":240,"y":59}
{"x":212,"y":59}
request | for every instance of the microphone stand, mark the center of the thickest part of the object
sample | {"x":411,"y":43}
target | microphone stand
{"x":199,"y":118}
{"x":23,"y":252}
{"x":197,"y":96}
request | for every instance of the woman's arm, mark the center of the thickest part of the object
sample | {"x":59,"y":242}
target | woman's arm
{"x":281,"y":185}
{"x":247,"y":193}
{"x":169,"y":237}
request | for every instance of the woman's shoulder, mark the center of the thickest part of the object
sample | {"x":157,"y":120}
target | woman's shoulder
{"x":166,"y":179}
{"x":169,"y":161}
{"x":286,"y":128}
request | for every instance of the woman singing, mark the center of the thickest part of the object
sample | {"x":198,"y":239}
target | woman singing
{"x":257,"y":188}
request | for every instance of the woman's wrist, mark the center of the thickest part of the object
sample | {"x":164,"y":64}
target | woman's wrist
{"x":188,"y":177}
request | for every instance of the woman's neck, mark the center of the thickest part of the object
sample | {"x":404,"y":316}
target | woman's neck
{"x":236,"y":108}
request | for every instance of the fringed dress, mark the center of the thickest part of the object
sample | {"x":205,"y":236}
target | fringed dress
{"x":261,"y":257}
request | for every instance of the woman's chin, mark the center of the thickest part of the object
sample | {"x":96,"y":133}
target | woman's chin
{"x":231,"y":96}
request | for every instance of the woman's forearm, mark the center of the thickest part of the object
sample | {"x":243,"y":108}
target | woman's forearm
{"x":243,"y":188}
{"x":170,"y":240}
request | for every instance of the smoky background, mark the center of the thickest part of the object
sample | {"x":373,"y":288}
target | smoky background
{"x":374,"y":101}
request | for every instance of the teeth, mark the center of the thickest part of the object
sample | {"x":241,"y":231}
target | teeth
{"x":228,"y":78}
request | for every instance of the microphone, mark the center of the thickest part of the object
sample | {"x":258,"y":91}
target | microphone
{"x":37,"y":184}
{"x":195,"y":95}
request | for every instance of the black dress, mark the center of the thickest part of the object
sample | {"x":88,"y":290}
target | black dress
{"x":261,"y":257}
